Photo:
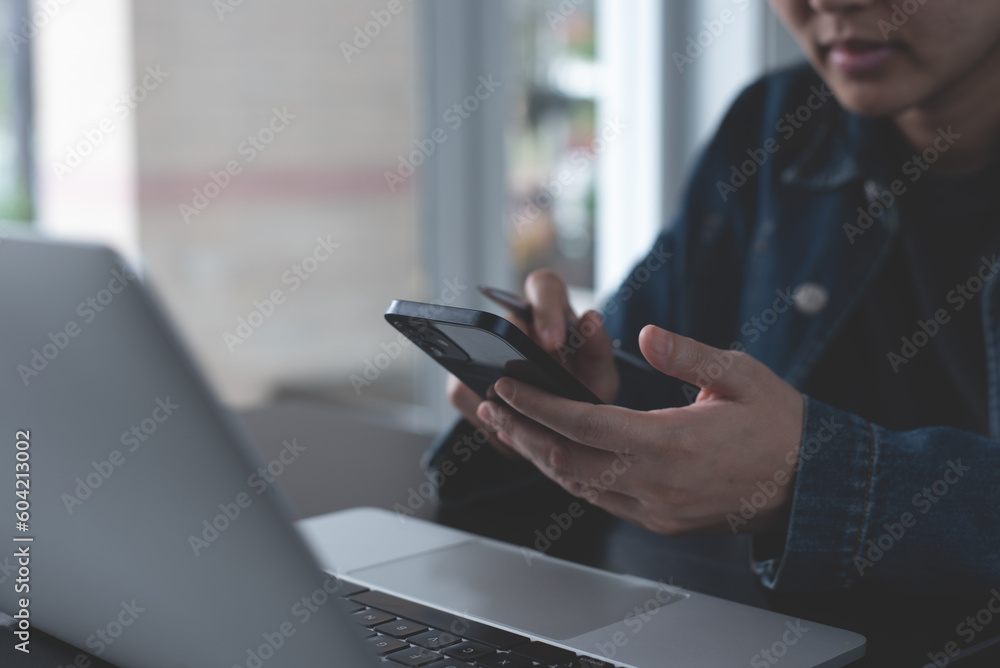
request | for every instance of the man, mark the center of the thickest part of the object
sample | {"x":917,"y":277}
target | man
{"x":831,"y":309}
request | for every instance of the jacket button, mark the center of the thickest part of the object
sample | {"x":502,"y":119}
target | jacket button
{"x":872,"y":191}
{"x":810,"y":298}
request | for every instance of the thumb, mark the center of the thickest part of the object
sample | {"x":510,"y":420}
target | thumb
{"x":692,"y":361}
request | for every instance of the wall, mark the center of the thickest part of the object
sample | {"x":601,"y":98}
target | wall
{"x":342,"y":124}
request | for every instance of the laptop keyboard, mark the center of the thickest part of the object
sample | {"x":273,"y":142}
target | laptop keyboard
{"x":414,"y":635}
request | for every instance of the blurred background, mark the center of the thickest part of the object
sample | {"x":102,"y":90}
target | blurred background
{"x":282,"y":170}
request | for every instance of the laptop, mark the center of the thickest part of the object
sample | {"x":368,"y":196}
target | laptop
{"x":142,"y":537}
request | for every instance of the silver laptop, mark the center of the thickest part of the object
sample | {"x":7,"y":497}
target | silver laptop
{"x":144,"y":540}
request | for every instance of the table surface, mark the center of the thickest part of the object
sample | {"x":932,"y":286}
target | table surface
{"x":350,"y":462}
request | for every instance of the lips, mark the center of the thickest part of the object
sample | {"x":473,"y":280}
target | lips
{"x":858,"y":58}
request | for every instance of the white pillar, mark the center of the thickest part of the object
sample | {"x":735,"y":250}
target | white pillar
{"x":84,"y":83}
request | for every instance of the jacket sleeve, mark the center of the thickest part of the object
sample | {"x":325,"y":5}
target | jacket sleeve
{"x":916,"y":509}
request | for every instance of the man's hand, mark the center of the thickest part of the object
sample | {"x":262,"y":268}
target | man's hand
{"x":592,"y":362}
{"x":673,"y":470}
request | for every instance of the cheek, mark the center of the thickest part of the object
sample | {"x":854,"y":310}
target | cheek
{"x":948,"y":37}
{"x":794,"y":14}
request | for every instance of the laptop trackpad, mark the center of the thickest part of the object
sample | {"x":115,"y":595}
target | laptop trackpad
{"x":526,"y":591}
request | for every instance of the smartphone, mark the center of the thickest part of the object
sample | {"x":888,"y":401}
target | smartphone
{"x":479,"y":348}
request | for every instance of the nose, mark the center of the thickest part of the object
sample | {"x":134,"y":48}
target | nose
{"x":840,"y":6}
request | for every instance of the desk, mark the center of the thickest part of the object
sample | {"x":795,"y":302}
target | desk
{"x":349,"y":462}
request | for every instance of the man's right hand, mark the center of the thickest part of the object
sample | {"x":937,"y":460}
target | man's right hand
{"x":591,"y":362}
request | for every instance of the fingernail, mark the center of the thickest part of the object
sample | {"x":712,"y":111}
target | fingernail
{"x":662,"y":344}
{"x":505,"y":388}
{"x":553,"y":335}
{"x":485,"y":412}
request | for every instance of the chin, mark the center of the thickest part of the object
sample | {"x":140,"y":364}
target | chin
{"x":874,"y":98}
{"x":864,"y":104}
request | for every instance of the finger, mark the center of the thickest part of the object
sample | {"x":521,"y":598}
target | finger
{"x":590,"y":342}
{"x":550,"y":307}
{"x":462,"y":397}
{"x":467,"y":401}
{"x":573,"y":466}
{"x":589,"y":355}
{"x":519,"y":322}
{"x":691,"y":361}
{"x":610,"y":428}
{"x":620,"y":505}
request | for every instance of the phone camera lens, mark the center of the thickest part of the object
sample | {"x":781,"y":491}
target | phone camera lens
{"x":434,"y":350}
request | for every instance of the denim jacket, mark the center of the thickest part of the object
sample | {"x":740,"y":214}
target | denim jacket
{"x":772,"y":258}
{"x":787,"y":219}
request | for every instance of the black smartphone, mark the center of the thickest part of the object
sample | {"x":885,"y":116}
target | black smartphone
{"x":479,"y":348}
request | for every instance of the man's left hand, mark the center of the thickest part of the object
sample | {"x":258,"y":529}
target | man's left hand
{"x":672,"y":470}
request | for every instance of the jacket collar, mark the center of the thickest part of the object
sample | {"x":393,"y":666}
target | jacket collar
{"x":844,"y":148}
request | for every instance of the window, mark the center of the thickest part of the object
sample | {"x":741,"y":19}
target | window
{"x":552,"y":180}
{"x":585,"y":150}
{"x":574,"y":153}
